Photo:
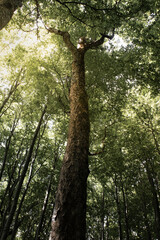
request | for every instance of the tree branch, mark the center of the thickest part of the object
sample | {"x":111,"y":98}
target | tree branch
{"x":66,"y":38}
{"x":37,"y":17}
{"x":97,"y":43}
{"x":85,"y":4}
{"x":110,"y":37}
{"x":73,"y":15}
{"x":94,"y":44}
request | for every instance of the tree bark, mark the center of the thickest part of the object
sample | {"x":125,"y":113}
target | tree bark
{"x":118,"y":209}
{"x":7,"y":8}
{"x":107,"y":226}
{"x":16,"y":222}
{"x":44,"y":208}
{"x":8,"y":142}
{"x":46,"y":199}
{"x":69,"y":216}
{"x":148,"y":230}
{"x":102,"y":233}
{"x":127,"y":228}
{"x":155,"y":199}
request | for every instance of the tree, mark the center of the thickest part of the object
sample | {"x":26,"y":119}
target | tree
{"x":7,"y":8}
{"x":70,"y":206}
{"x":18,"y":123}
{"x":69,"y":215}
{"x":21,"y":179}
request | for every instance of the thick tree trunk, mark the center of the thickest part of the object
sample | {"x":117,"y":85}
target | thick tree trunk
{"x":7,"y":8}
{"x":69,"y":216}
{"x":68,"y":220}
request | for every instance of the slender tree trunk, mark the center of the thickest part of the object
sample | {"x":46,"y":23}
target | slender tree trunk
{"x":142,"y":194}
{"x":19,"y":186}
{"x":8,"y":145}
{"x":155,"y":199}
{"x":118,"y":209}
{"x":16,"y":222}
{"x":148,"y":233}
{"x":39,"y":228}
{"x":12,"y":182}
{"x":45,"y":203}
{"x":125,"y":213}
{"x":102,"y":236}
{"x":10,"y":93}
{"x":107,"y":226}
{"x":4,"y":208}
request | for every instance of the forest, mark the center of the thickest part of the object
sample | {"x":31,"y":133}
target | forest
{"x":79,"y":120}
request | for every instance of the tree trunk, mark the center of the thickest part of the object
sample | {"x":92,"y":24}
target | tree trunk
{"x":127,"y":228}
{"x":44,"y":208}
{"x":102,"y":234}
{"x":12,"y":90}
{"x":46,"y":199}
{"x":8,"y":142}
{"x":148,"y":230}
{"x":107,"y":226}
{"x":69,"y":216}
{"x":16,"y":221}
{"x":155,"y":199}
{"x":143,"y":197}
{"x":7,"y":8}
{"x":118,"y":209}
{"x":8,"y":223}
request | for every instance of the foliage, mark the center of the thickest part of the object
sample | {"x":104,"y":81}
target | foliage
{"x":122,"y":85}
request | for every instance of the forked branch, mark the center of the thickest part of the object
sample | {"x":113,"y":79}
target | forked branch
{"x":66,"y":38}
{"x":97,"y":43}
{"x":110,"y":37}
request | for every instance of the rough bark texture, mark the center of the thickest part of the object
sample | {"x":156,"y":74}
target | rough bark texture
{"x":69,"y":214}
{"x":7,"y":8}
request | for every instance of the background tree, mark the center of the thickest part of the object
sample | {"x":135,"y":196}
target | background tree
{"x":7,"y":8}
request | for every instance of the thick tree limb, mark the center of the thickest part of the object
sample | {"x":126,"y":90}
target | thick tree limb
{"x":110,"y":37}
{"x":7,"y":8}
{"x":66,"y":38}
{"x":94,"y":44}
